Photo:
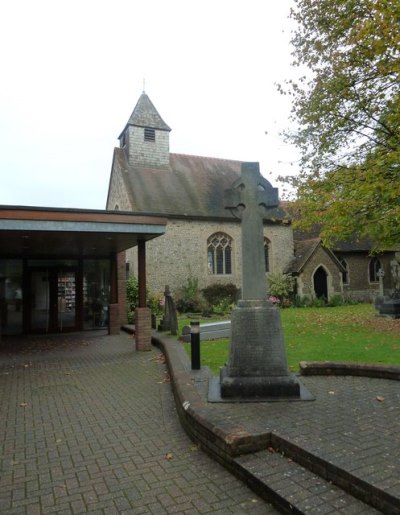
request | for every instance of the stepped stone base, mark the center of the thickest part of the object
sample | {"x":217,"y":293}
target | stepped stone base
{"x":281,"y":386}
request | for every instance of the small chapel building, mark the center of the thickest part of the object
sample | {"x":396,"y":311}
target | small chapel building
{"x":202,"y":239}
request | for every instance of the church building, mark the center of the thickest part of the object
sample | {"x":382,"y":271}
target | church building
{"x":202,"y":240}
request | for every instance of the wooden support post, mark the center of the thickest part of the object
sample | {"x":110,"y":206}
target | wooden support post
{"x":143,"y":313}
{"x":142,"y":273}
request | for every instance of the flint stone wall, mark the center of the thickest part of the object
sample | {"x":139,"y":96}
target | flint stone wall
{"x":359,"y":286}
{"x":182,"y":252}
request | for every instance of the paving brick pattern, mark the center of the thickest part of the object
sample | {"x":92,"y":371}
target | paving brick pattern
{"x":289,"y":483}
{"x":88,"y":425}
{"x":354,"y":423}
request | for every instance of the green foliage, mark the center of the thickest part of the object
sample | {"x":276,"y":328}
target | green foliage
{"x":156,"y":303}
{"x":336,"y":300}
{"x":132,"y":299}
{"x":281,"y":286}
{"x":222,"y":307}
{"x":347,"y":108}
{"x":215,"y":293}
{"x":189,"y":297}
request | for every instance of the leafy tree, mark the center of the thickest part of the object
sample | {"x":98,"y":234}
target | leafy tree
{"x":347,"y":110}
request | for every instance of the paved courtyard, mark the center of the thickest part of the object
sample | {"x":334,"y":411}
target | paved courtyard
{"x":88,"y":425}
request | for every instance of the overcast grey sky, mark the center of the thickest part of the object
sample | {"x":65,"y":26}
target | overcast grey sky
{"x":72,"y":72}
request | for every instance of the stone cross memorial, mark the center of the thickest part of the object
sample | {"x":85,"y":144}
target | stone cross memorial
{"x":257,"y":365}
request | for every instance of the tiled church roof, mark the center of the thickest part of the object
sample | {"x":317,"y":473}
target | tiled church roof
{"x":191,"y":186}
{"x":303,"y":250}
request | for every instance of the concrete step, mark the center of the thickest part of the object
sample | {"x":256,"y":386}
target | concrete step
{"x":294,"y":489}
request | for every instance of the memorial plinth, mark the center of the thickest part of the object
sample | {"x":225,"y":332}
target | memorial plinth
{"x":257,"y":365}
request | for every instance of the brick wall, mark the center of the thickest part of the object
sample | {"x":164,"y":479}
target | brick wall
{"x":143,"y":329}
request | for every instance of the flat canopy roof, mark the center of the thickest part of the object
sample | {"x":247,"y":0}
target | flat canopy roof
{"x":41,"y":231}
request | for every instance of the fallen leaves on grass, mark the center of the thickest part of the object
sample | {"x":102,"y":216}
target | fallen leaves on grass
{"x":23,"y":404}
{"x":380,"y":398}
{"x":169,"y":456}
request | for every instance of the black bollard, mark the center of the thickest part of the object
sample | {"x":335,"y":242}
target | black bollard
{"x":195,"y":344}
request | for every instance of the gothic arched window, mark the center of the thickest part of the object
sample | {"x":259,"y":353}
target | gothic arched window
{"x":267,"y":245}
{"x":345,"y":274}
{"x":219,"y":254}
{"x":374,"y":266}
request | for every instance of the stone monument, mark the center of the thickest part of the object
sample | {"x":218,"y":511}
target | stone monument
{"x":170,"y":320}
{"x":257,"y":366}
{"x":390,"y":306}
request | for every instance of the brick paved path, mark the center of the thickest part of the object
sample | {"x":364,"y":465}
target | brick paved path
{"x":88,"y":425}
{"x":354,"y":423}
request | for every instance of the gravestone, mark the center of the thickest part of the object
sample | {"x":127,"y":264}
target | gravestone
{"x":390,"y":306}
{"x":170,"y":320}
{"x":257,"y":366}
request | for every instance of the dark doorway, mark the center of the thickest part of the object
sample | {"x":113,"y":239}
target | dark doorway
{"x":321,"y":283}
{"x":52,"y":300}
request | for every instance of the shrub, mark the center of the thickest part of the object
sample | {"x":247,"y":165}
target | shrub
{"x":132,"y":297}
{"x":281,"y":286}
{"x":216,"y":293}
{"x":222,"y":307}
{"x":189,"y":297}
{"x":318,"y":302}
{"x":335,"y":300}
{"x":154,"y":302}
{"x":301,"y":302}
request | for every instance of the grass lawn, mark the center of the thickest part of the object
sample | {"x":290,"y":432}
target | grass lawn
{"x":345,"y":333}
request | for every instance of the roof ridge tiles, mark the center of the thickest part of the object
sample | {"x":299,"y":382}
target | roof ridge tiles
{"x":206,"y":157}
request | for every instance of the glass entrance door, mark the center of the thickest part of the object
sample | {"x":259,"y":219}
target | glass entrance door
{"x":52,"y":300}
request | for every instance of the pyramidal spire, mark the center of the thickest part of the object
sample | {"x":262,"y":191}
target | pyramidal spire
{"x":146,"y":115}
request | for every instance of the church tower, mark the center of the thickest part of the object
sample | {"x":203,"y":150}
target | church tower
{"x":145,"y":137}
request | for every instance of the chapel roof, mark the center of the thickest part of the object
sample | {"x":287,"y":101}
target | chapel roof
{"x":303,"y":251}
{"x":191,"y":186}
{"x":146,"y":115}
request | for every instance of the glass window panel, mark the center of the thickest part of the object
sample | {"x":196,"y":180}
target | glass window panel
{"x":210,"y":261}
{"x":220,"y":261}
{"x":11,"y":305}
{"x":228,"y":260}
{"x":96,"y":292}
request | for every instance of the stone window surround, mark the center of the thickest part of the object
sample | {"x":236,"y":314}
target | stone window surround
{"x":373,"y":266}
{"x":212,"y":270}
{"x":347,"y":273}
{"x":329,"y":283}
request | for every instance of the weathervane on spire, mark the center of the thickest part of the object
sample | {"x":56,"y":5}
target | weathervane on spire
{"x":144,"y":84}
